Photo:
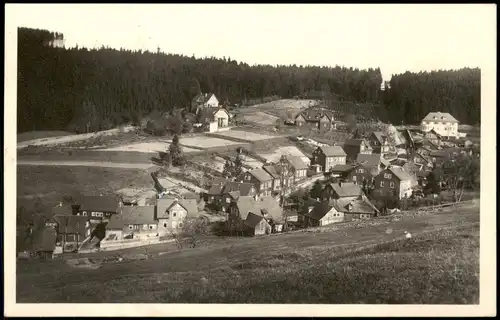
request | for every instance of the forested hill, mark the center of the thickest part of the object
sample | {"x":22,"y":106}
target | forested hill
{"x":412,"y":95}
{"x":80,"y":90}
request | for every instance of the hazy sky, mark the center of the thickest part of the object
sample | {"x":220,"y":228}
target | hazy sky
{"x":395,"y":38}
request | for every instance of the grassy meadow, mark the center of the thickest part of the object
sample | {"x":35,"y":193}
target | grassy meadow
{"x":363,"y":263}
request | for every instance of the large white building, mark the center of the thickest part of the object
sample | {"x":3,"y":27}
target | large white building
{"x":442,"y":123}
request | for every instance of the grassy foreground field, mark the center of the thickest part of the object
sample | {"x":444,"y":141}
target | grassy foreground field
{"x":369,"y":264}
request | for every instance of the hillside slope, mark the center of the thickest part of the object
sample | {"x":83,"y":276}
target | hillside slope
{"x":367,"y":263}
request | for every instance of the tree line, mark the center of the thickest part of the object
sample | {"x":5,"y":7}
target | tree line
{"x":84,"y":90}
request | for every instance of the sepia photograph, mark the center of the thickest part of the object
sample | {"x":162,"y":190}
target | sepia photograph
{"x":262,"y":155}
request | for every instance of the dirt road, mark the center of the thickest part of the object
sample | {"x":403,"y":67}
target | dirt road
{"x":143,"y":166}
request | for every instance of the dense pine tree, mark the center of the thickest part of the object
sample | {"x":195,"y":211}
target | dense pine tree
{"x":86,"y":90}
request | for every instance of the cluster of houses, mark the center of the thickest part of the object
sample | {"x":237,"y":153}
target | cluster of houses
{"x":252,"y":202}
{"x":214,"y":117}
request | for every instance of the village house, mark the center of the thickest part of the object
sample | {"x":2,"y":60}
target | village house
{"x":368,"y":166}
{"x":339,"y":210}
{"x":328,"y":157}
{"x":341,"y":190}
{"x":222,"y":194}
{"x":342,"y":171}
{"x":204,"y":100}
{"x":99,"y":208}
{"x":279,"y":173}
{"x":233,"y":190}
{"x":297,"y":168}
{"x":213,"y":119}
{"x":379,"y":142}
{"x":266,"y":207}
{"x":318,"y":118}
{"x":353,"y":147}
{"x":71,"y":230}
{"x":133,"y":222}
{"x":259,"y":177}
{"x":172,"y":213}
{"x":442,"y":123}
{"x":394,"y":181}
{"x":256,"y":225}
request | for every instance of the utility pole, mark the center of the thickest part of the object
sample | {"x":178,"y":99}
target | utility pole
{"x":283,"y":172}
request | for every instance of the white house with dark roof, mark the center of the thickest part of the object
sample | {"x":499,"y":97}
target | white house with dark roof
{"x":328,"y":157}
{"x":441,"y":122}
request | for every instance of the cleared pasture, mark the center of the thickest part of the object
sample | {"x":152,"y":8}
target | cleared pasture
{"x":147,"y":147}
{"x":245,"y":135}
{"x":275,"y":155}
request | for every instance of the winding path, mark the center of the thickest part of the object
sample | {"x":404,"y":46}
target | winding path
{"x":143,"y":166}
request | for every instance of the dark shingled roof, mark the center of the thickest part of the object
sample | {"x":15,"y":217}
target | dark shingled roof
{"x":132,"y":215}
{"x":362,"y":205}
{"x":246,"y":205}
{"x":369,"y":160}
{"x":242,"y":187}
{"x":347,"y":189}
{"x":379,"y":136}
{"x":253,"y":220}
{"x":354,"y":142}
{"x":400,"y":173}
{"x":315,"y":114}
{"x":319,"y":210}
{"x":100,"y":203}
{"x":333,"y":151}
{"x":261,"y":175}
{"x":342,"y":168}
{"x":70,"y":224}
{"x":296,"y":163}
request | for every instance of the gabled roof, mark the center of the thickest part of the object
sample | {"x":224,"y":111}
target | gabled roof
{"x":359,"y":205}
{"x":215,"y":189}
{"x":260,"y":174}
{"x":249,"y":204}
{"x":190,"y":205}
{"x":342,"y":168}
{"x":70,"y":224}
{"x":440,"y":116}
{"x":319,"y":211}
{"x":379,"y":135}
{"x":369,"y":160}
{"x":296,"y":162}
{"x":400,"y":173}
{"x":346,"y":189}
{"x":99,"y":203}
{"x":333,"y":151}
{"x":132,"y":215}
{"x":315,"y":114}
{"x":242,"y":187}
{"x":355,"y":142}
{"x":202,"y":97}
{"x":253,"y":220}
{"x":273,"y":171}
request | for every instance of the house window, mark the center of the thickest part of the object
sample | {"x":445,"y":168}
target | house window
{"x":387,"y":175}
{"x":248,"y":177}
{"x":354,"y":178}
{"x":381,"y":183}
{"x":361,"y":171}
{"x":130,"y":227}
{"x":228,"y":200}
{"x":392,"y":184}
{"x":144,"y":227}
{"x":150,"y":227}
{"x":164,"y":225}
{"x":174,"y":214}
